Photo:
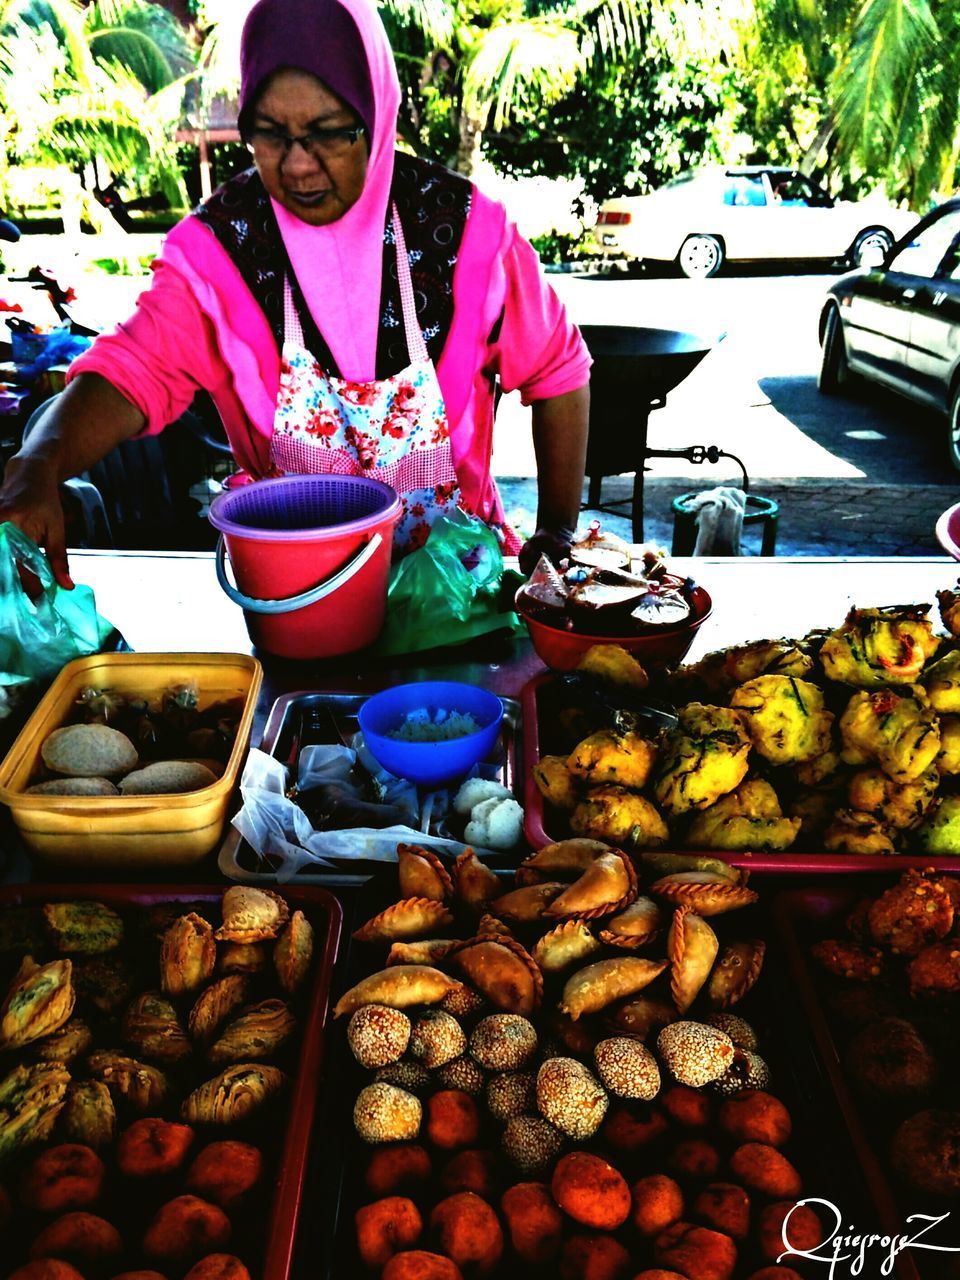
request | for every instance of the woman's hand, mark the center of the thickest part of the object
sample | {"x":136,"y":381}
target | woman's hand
{"x":30,"y":499}
{"x":560,"y":442}
{"x":552,"y":543}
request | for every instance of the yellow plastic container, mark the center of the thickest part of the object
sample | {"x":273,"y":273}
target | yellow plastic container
{"x":126,"y":834}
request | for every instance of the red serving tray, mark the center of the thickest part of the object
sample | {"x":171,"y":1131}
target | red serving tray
{"x":290,"y":1176}
{"x":536,"y":819}
{"x":792,"y":911}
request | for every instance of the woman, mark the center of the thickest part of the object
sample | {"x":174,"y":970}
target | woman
{"x":347,"y":307}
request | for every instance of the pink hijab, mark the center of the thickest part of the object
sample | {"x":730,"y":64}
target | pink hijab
{"x":338,"y":267}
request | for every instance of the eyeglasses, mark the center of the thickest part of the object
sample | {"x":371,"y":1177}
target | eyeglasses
{"x":319,"y":144}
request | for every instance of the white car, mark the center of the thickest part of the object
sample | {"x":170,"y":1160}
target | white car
{"x":751,"y":213}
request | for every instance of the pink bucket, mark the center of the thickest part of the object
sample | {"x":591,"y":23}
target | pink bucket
{"x":311,"y":559}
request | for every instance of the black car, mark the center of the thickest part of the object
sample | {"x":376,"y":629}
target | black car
{"x":899,"y":324}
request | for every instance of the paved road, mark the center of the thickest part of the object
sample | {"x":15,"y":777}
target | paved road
{"x":829,"y":461}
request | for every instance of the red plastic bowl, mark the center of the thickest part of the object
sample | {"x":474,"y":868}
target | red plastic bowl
{"x":948,"y":531}
{"x":562,"y":650}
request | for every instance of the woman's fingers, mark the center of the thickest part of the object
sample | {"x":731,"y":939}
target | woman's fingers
{"x":33,"y":504}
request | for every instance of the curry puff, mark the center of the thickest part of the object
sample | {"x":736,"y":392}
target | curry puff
{"x":620,"y":817}
{"x":879,"y":647}
{"x":502,"y":971}
{"x":607,"y":885}
{"x":635,"y":926}
{"x":251,"y":915}
{"x":598,"y":985}
{"x":528,"y":903}
{"x":293,"y":952}
{"x":151,"y":1027}
{"x":398,"y":987}
{"x":40,"y":1000}
{"x":735,"y":972}
{"x":608,"y":756}
{"x":785,"y":718}
{"x":403,"y":921}
{"x":31,"y":1098}
{"x":474,"y":883}
{"x":188,"y":954}
{"x":232,"y":1095}
{"x":257,"y":1032}
{"x":562,"y":860}
{"x":89,"y":927}
{"x":564,"y":945}
{"x":748,"y":818}
{"x":897,"y":730}
{"x":703,"y":892}
{"x":692,"y":947}
{"x":704,"y":758}
{"x":422,"y":874}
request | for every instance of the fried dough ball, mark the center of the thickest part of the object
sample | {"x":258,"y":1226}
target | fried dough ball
{"x":909,"y":916}
{"x":748,"y":818}
{"x":452,"y":1119}
{"x":593,"y":1258}
{"x":437,"y":1038}
{"x":690,"y":1108}
{"x":398,"y":1167}
{"x":385,"y":1227}
{"x":69,"y":1176}
{"x":763,"y":1168}
{"x":620,"y":817}
{"x":531,"y":1143}
{"x":627,"y":1068}
{"x":694,"y":1158}
{"x":891,"y":1063}
{"x":470,"y":1171}
{"x":378,"y":1035}
{"x":570,"y":1097}
{"x":150,"y":1147}
{"x":555,"y":782}
{"x":785,"y":718}
{"x":862,"y":834}
{"x":625,"y":759}
{"x":79,"y":1237}
{"x":418,"y":1264}
{"x":942,"y":683}
{"x":218,"y":1266}
{"x":724,"y":1207}
{"x":898,"y":730}
{"x":591,"y":1191}
{"x":503,"y":1042}
{"x":704,"y":758}
{"x":185,"y":1229}
{"x":615,"y":665}
{"x":511,"y":1093}
{"x":696,"y":1251}
{"x":469,"y":1232}
{"x":46,"y":1269}
{"x":755,"y":1116}
{"x":804,"y":1230}
{"x":406,"y":1074}
{"x":939,"y":833}
{"x":384,"y":1113}
{"x":925,"y":1152}
{"x":462,"y":1073}
{"x":935,"y":971}
{"x":657,"y":1203}
{"x":534,"y":1222}
{"x":224,"y":1172}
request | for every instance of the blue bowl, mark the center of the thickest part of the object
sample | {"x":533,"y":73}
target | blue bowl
{"x":430,"y":763}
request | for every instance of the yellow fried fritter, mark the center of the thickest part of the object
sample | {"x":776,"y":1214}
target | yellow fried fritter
{"x":785,"y":718}
{"x":810,"y":773}
{"x":940,"y":830}
{"x":612,"y":663}
{"x":748,"y":818}
{"x":948,"y":759}
{"x":942,"y":682}
{"x":816,"y":807}
{"x":555,"y":782}
{"x":897,"y":730}
{"x":625,"y":759}
{"x":877,"y":647}
{"x":620,"y":817}
{"x":704,"y":758}
{"x":949,"y":602}
{"x":900,"y":805}
{"x":719,"y":672}
{"x":860,"y":833}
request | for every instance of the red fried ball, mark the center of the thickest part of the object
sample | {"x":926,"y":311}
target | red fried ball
{"x":401,"y":1166}
{"x":534,"y":1222}
{"x":385,"y":1228}
{"x":452,"y":1119}
{"x":468,"y":1231}
{"x":68,"y":1176}
{"x":657,"y":1204}
{"x":591,"y":1191}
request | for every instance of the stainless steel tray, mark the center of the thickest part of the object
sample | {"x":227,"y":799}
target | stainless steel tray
{"x":297,"y":720}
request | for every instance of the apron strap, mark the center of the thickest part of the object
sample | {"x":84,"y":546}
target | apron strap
{"x":292,"y":328}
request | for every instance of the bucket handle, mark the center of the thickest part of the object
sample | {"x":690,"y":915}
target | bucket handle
{"x":310,"y":596}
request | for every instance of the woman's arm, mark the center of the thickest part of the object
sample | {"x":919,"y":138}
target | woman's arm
{"x":78,"y":429}
{"x":560,"y":442}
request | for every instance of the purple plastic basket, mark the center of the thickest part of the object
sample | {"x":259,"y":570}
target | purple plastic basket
{"x":283,"y":510}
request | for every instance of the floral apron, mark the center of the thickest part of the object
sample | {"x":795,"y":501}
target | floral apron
{"x":394,"y":429}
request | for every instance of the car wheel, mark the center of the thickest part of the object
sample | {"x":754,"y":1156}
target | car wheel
{"x":871,"y":247}
{"x":834,"y":370}
{"x":953,"y":429}
{"x":700,"y":257}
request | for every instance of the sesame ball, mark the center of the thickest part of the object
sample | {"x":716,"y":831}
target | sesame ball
{"x":406,"y":1074}
{"x":437,"y":1038}
{"x":384,"y":1113}
{"x":463,"y":1074}
{"x":531,"y":1143}
{"x":746,"y":1071}
{"x":463,"y":1002}
{"x":739,"y":1031}
{"x":511,"y":1093}
{"x":627,"y":1068}
{"x":694,"y":1053}
{"x":378,"y":1035}
{"x":503,"y":1042}
{"x":570,"y":1097}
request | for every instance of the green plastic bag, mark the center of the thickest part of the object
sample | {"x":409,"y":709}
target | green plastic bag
{"x":38,"y":636}
{"x":448,"y":591}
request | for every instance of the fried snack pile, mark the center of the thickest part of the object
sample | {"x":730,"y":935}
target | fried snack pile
{"x":892,"y":994}
{"x":138,"y":1068}
{"x":847,"y":741}
{"x":566,"y":1084}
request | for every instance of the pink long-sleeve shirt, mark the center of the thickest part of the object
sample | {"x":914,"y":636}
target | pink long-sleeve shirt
{"x":198,"y":327}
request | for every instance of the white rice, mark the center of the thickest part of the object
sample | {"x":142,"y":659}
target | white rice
{"x":419,"y":727}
